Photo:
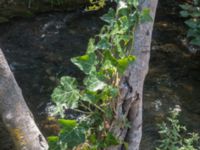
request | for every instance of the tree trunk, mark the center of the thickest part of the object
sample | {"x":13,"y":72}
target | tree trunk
{"x":129,"y":103}
{"x":136,"y":75}
{"x":15,"y":113}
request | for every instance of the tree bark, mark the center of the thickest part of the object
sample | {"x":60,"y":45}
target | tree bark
{"x":15,"y":113}
{"x":129,"y":103}
{"x":137,"y":73}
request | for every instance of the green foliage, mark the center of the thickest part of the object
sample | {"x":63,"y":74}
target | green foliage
{"x":66,"y":94}
{"x":96,"y":5}
{"x":172,"y":134}
{"x":106,"y":59}
{"x":70,"y":136}
{"x":192,"y":13}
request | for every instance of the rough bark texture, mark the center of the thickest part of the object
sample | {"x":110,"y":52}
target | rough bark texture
{"x":129,"y":105}
{"x":16,"y":114}
{"x":136,"y":75}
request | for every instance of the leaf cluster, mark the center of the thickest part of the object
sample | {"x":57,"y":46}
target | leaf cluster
{"x":105,"y":61}
{"x":192,"y":13}
{"x":172,"y":135}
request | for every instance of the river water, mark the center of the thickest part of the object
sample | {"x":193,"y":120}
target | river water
{"x":38,"y":50}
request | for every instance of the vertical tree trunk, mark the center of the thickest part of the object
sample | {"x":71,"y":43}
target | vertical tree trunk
{"x":129,"y":105}
{"x":136,"y":75}
{"x":16,"y":114}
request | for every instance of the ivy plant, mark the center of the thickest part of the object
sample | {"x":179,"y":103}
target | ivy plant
{"x":104,"y":63}
{"x":191,"y":11}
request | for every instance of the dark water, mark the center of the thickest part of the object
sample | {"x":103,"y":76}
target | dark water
{"x":38,"y":51}
{"x":174,"y":76}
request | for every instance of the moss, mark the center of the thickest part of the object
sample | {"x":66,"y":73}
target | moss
{"x":18,"y":136}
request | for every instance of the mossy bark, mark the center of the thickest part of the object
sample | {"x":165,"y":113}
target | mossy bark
{"x":27,"y":8}
{"x":15,"y":114}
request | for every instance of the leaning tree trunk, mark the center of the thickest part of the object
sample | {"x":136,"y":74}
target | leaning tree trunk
{"x":16,"y":114}
{"x":129,"y":103}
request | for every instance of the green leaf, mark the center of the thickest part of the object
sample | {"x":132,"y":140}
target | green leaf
{"x":186,"y":7}
{"x":110,"y":140}
{"x":94,"y":83}
{"x":66,"y":92}
{"x":86,"y":63}
{"x":124,"y":22}
{"x":53,"y":142}
{"x":145,"y":15}
{"x":91,"y":47}
{"x":195,"y":41}
{"x":103,"y":44}
{"x":121,"y":6}
{"x":196,"y":13}
{"x":184,"y":13}
{"x":135,"y":3}
{"x":91,"y":97}
{"x":73,"y":137}
{"x":192,"y":23}
{"x":109,"y":17}
{"x":67,"y":124}
{"x":192,"y":33}
{"x":124,"y":62}
{"x":53,"y":139}
{"x":108,"y":93}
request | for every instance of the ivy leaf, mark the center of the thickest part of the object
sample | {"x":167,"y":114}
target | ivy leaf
{"x":124,"y":62}
{"x":124,"y":22}
{"x":109,"y":17}
{"x":145,"y":15}
{"x":71,"y":133}
{"x":111,"y":140}
{"x":91,"y":97}
{"x":109,"y":92}
{"x":86,"y":63}
{"x":184,"y":13}
{"x":66,"y":92}
{"x":192,"y":33}
{"x":186,"y":6}
{"x":103,"y":44}
{"x":91,"y":47}
{"x":122,"y":6}
{"x":67,"y":124}
{"x":93,"y":83}
{"x":191,"y":23}
{"x":53,"y":142}
{"x":195,"y":41}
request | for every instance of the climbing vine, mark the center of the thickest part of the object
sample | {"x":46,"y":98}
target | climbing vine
{"x":104,"y":63}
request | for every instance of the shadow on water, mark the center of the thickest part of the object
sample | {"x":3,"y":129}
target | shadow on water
{"x":39,"y":51}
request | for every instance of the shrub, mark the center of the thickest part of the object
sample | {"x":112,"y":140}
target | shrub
{"x":173,"y":135}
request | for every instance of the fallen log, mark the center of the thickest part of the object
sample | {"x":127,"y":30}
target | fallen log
{"x":15,"y":113}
